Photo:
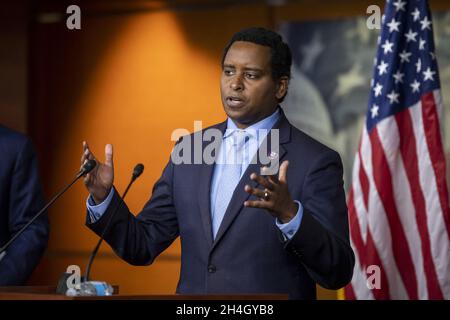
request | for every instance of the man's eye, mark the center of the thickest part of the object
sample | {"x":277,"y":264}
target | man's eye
{"x":228,"y":72}
{"x":251,"y":76}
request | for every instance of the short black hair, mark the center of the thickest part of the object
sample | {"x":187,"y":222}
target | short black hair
{"x":281,"y":57}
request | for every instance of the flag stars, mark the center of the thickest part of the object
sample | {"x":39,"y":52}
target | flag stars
{"x":418,"y":65}
{"x":425,"y":23}
{"x":387,"y":46}
{"x":399,"y":5}
{"x":374,"y":110}
{"x":433,"y":55}
{"x":428,"y":74}
{"x":393,"y":97}
{"x":415,"y":86}
{"x":393,"y":25}
{"x":416,"y":14}
{"x":404,"y":56}
{"x":411,"y":36}
{"x":377,"y":89}
{"x":382,"y":68}
{"x":422,"y":44}
{"x":398,"y":76}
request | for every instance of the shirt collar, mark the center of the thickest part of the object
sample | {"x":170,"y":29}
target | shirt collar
{"x":266,"y":123}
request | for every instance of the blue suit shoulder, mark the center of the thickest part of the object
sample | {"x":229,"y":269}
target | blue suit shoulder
{"x":12,"y":143}
{"x":20,"y":198}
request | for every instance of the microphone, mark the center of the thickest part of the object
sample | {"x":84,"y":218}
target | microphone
{"x":86,"y":168}
{"x":138,"y":169}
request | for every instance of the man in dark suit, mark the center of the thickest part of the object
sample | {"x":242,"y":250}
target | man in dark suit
{"x":241,"y":232}
{"x":20,"y":199}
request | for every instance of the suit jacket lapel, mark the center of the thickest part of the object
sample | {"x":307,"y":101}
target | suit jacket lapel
{"x":239,"y":194}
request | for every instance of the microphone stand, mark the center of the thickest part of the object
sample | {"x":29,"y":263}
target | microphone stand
{"x":138,"y":169}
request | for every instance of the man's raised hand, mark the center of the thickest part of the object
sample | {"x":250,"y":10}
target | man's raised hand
{"x":100,"y":180}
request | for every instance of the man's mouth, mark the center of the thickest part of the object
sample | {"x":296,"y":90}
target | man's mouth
{"x":235,"y":102}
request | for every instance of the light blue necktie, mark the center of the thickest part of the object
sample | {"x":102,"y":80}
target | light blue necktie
{"x":229,"y":179}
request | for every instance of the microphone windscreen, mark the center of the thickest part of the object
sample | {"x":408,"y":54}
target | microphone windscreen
{"x":138,"y":169}
{"x":88,"y":166}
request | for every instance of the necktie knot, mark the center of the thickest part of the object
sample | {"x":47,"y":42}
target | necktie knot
{"x":240,"y":137}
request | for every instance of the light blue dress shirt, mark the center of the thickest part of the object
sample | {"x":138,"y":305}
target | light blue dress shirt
{"x":257,"y":133}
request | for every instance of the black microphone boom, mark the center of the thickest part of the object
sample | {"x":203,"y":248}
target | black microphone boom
{"x":86,"y":168}
{"x":138,"y":169}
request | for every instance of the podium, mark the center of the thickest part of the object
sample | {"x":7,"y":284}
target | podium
{"x":49,"y":293}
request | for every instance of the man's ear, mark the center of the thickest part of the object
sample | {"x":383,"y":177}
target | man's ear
{"x":282,"y":87}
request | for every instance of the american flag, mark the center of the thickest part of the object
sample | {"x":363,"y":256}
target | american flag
{"x":398,"y":201}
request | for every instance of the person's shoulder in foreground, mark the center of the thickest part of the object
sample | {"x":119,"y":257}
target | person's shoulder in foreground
{"x":20,"y":199}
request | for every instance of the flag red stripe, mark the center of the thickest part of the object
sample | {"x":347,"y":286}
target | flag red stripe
{"x":383,"y":184}
{"x":408,"y":151}
{"x":349,"y":292}
{"x":364,"y":181}
{"x":436,"y":151}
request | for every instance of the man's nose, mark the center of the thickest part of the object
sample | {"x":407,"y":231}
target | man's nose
{"x":237,"y":84}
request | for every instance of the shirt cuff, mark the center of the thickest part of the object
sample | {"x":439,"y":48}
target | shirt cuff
{"x":97,"y":211}
{"x":289,"y":229}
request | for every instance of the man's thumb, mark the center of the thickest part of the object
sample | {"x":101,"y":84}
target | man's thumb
{"x":109,"y":155}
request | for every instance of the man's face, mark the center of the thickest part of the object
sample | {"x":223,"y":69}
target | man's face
{"x":249,"y":93}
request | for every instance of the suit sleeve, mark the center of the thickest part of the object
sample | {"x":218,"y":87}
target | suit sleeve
{"x":322,"y":241}
{"x":140,"y":239}
{"x":25,"y":200}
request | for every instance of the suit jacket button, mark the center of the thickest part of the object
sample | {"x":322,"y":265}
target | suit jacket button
{"x":211,"y":268}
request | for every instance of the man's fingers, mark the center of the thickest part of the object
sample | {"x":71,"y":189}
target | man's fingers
{"x":87,"y":154}
{"x":109,"y":155}
{"x":83,"y":155}
{"x":283,"y":171}
{"x":271,"y":177}
{"x":262,"y":181}
{"x":83,"y":161}
{"x":257,"y":204}
{"x":254,"y":191}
